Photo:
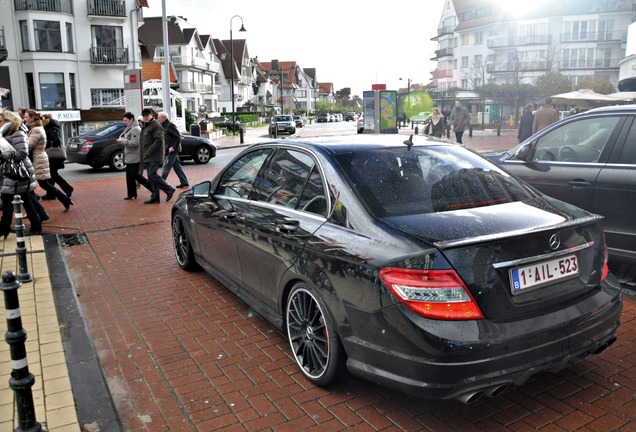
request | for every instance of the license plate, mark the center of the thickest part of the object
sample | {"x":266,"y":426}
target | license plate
{"x":536,"y":275}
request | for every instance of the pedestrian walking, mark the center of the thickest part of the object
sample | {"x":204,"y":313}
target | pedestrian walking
{"x":132,"y":156}
{"x":436,"y":124}
{"x":525,"y":123}
{"x":11,"y":128}
{"x":152,"y":150}
{"x":37,"y":146}
{"x":545,"y":116}
{"x":172,"y":139}
{"x":54,"y":140}
{"x":459,"y":120}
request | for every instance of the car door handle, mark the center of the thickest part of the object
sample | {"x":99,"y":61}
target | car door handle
{"x":287,"y":226}
{"x":579,"y":183}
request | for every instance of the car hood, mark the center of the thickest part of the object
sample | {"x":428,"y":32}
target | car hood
{"x":462,"y":227}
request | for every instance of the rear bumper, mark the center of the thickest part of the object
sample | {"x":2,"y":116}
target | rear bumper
{"x":468,"y":358}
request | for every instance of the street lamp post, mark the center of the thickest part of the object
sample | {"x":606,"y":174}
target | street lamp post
{"x":232,"y":68}
{"x":408,"y":90}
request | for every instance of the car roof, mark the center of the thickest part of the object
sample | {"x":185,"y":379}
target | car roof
{"x":631,"y":109}
{"x":347,"y":143}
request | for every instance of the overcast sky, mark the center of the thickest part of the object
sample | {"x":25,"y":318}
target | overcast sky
{"x":350,"y":43}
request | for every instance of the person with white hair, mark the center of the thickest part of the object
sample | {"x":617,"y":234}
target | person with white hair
{"x":173,"y":147}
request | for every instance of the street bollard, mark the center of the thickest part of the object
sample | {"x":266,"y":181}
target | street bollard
{"x":416,"y":130}
{"x":21,"y":379}
{"x":20,"y":250}
{"x":241,"y":135}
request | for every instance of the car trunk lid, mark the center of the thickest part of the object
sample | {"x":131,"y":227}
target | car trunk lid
{"x":520,"y":258}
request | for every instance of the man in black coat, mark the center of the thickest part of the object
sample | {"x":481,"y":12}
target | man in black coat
{"x":173,"y":147}
{"x":151,"y":142}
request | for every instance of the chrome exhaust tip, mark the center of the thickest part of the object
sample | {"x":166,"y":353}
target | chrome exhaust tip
{"x":469,"y":398}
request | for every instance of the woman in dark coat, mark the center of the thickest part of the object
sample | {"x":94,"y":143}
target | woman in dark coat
{"x":525,"y":123}
{"x":54,"y":139}
{"x":13,"y":131}
{"x":437,"y":124}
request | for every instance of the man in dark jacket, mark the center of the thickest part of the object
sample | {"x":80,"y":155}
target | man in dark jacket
{"x":173,"y":147}
{"x":151,"y":142}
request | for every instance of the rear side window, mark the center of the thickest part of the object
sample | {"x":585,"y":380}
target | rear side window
{"x":397,"y":182}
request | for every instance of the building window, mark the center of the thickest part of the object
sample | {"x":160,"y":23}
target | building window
{"x":52,"y":90}
{"x":69,"y":38}
{"x":465,"y":39}
{"x":478,"y":61}
{"x":71,"y":83}
{"x":465,"y":61}
{"x":107,"y":97}
{"x":108,"y":43}
{"x":464,"y":83}
{"x":24,"y":35}
{"x":479,"y":38}
{"x":30,"y":89}
{"x":47,"y":36}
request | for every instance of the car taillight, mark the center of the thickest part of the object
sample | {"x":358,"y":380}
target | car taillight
{"x":605,"y":261}
{"x":86,"y":146}
{"x":435,"y":294}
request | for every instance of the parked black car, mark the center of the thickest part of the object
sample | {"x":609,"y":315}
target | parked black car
{"x":588,"y":160}
{"x":421,"y":266}
{"x":100,"y":148}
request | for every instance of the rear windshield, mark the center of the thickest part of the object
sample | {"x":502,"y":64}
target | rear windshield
{"x":105,"y":131}
{"x":398,"y":181}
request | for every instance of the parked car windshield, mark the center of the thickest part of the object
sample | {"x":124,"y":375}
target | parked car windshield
{"x":397,"y":182}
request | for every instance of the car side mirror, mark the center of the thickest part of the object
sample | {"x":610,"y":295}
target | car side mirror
{"x":202,"y":190}
{"x":524,"y":153}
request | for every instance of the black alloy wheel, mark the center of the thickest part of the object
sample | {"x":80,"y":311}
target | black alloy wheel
{"x":312,"y":336}
{"x":182,"y":246}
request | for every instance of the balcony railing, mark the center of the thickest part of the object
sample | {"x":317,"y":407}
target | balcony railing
{"x":444,"y":52}
{"x":543,"y":39}
{"x":512,"y":67}
{"x":193,"y":87}
{"x":116,"y":8}
{"x":109,"y":56}
{"x":186,"y":61}
{"x":65,"y":6}
{"x":613,"y":36}
{"x":442,"y":73}
{"x":589,"y":64}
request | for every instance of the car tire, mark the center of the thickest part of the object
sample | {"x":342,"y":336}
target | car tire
{"x":201,"y":155}
{"x":116,"y":161}
{"x":182,"y":245}
{"x":293,"y":131}
{"x":312,"y":336}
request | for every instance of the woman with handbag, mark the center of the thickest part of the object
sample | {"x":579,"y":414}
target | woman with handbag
{"x":57,"y":155}
{"x":37,"y":145}
{"x":11,"y":128}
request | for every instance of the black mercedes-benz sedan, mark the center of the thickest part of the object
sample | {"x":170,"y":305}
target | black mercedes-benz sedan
{"x":415,"y":264}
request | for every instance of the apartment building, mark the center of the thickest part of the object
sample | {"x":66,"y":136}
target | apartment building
{"x":68,"y":57}
{"x":486,"y":42}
